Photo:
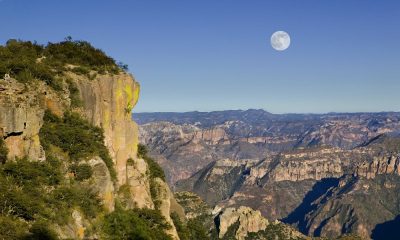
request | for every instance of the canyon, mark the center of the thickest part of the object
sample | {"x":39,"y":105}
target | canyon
{"x":325,"y":174}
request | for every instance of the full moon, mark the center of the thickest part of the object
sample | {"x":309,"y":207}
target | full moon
{"x":280,"y":40}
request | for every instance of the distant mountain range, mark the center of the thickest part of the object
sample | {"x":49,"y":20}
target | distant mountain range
{"x":326,"y":174}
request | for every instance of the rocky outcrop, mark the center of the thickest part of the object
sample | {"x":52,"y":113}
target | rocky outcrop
{"x":102,"y":183}
{"x":246,"y":223}
{"x":248,"y":219}
{"x":107,"y":103}
{"x":379,"y":165}
{"x":218,"y":181}
{"x":164,"y":197}
{"x":315,"y":169}
{"x":21,"y":116}
{"x":193,"y":205}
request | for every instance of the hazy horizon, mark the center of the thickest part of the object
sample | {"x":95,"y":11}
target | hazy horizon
{"x":316,"y":113}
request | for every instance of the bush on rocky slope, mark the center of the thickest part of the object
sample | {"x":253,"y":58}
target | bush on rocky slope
{"x":3,"y":151}
{"x":36,"y":192}
{"x":26,"y":61}
{"x":154,"y":171}
{"x":135,"y":224}
{"x":75,"y":136}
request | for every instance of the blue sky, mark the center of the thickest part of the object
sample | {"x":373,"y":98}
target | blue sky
{"x":215,"y":55}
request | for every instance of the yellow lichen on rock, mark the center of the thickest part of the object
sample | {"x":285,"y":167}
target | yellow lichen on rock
{"x":105,"y":100}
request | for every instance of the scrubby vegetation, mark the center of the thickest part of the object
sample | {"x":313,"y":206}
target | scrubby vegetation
{"x":75,"y":136}
{"x":143,"y":224}
{"x":36,"y":194}
{"x":202,"y":220}
{"x":3,"y":151}
{"x":274,"y":231}
{"x":197,"y":229}
{"x":26,"y":60}
{"x":155,"y":171}
{"x":76,"y":100}
{"x":181,"y":228}
{"x":81,"y":171}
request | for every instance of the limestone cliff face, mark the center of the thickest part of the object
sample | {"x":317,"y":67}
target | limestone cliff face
{"x":315,"y":169}
{"x":21,"y":116}
{"x":249,"y":221}
{"x":380,"y":165}
{"x":164,"y":197}
{"x":244,"y":222}
{"x":107,"y":102}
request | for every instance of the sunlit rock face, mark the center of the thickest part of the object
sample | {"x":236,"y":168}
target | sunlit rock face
{"x":21,"y":116}
{"x":108,"y":101}
{"x":249,"y":221}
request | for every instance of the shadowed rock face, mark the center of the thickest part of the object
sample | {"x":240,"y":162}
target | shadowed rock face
{"x":323,"y":178}
{"x":387,"y":230}
{"x":356,"y":205}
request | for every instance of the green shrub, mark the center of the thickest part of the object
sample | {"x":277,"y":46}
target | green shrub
{"x":181,"y":228}
{"x":22,"y":185}
{"x":154,"y":193}
{"x":133,"y":224}
{"x":26,"y":60}
{"x":75,"y":136}
{"x":3,"y":151}
{"x":81,"y":70}
{"x":25,"y":173}
{"x":273,"y":231}
{"x":19,"y":59}
{"x":77,"y":196}
{"x":74,"y":94}
{"x":34,"y":191}
{"x":155,"y":171}
{"x":142,"y":150}
{"x":81,"y":171}
{"x":196,"y":229}
{"x":79,"y":53}
{"x":12,"y":228}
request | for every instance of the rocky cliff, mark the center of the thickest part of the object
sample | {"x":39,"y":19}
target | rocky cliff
{"x":107,"y":101}
{"x":246,"y":223}
{"x":248,"y":219}
{"x":22,"y":116}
